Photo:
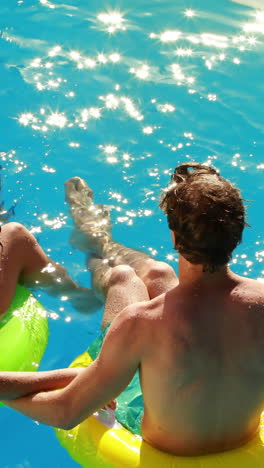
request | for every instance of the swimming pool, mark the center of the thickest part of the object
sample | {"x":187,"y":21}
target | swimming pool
{"x":119,"y":93}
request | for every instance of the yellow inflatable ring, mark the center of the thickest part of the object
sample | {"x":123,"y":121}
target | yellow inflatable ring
{"x":94,"y":445}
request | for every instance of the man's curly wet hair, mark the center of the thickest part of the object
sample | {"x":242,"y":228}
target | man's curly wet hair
{"x":206,"y":213}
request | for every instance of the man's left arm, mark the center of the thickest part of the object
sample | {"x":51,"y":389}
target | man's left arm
{"x":98,"y":384}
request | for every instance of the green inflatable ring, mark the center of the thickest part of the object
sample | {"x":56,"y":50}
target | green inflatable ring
{"x":23,"y":333}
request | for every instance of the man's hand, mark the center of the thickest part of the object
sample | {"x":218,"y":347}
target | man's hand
{"x":111,"y":405}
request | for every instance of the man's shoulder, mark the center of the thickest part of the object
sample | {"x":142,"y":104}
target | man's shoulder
{"x":254,"y":285}
{"x":129,"y":317}
{"x":138,"y":309}
{"x":251,"y":291}
{"x":128,"y":331}
{"x":137,"y":319}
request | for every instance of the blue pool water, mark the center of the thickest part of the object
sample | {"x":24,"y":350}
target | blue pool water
{"x":119,"y":93}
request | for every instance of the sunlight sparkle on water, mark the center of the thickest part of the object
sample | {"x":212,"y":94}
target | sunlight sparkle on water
{"x":193,"y":39}
{"x":55,"y":223}
{"x":170,"y":36}
{"x":189,"y":13}
{"x":116,"y":196}
{"x":211,"y":97}
{"x":92,"y":112}
{"x":55,"y":51}
{"x":252,"y":40}
{"x":177,"y":71}
{"x":169,"y":257}
{"x":114,"y":20}
{"x":111,"y":101}
{"x":215,"y":40}
{"x":148,"y":130}
{"x":112,"y":160}
{"x":90,"y":63}
{"x":254,"y":27}
{"x":126,"y":156}
{"x":115,"y":57}
{"x":75,"y":55}
{"x":46,"y":168}
{"x":184,"y":52}
{"x":166,"y":108}
{"x":258,"y":26}
{"x":36,"y":63}
{"x":131,"y":109}
{"x":260,"y":16}
{"x":57,"y":120}
{"x":27,"y":118}
{"x":141,"y":73}
{"x":109,"y":149}
{"x":102,"y":58}
{"x":47,"y":3}
{"x":95,"y":112}
{"x":53,"y":84}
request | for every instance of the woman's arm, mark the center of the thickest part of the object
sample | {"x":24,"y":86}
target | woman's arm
{"x":24,"y":261}
{"x":17,"y":384}
{"x":54,"y":280}
{"x":39,"y":271}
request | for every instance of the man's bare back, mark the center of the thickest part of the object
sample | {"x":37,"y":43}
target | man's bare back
{"x":204,"y":351}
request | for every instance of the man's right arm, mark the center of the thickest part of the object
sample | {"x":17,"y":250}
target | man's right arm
{"x":98,"y":384}
{"x":17,"y":384}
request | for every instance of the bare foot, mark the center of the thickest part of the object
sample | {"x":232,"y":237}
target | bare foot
{"x":77,"y":192}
